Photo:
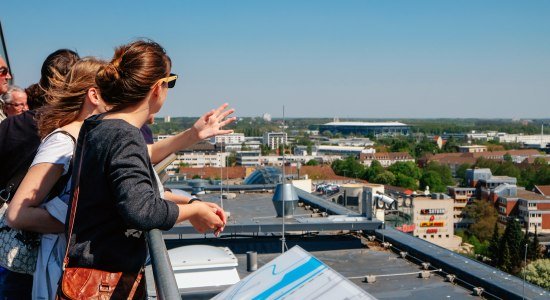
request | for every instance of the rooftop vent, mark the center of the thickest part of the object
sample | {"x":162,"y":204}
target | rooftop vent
{"x":285,"y":197}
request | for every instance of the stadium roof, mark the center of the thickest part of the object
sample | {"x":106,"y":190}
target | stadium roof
{"x":366,"y":124}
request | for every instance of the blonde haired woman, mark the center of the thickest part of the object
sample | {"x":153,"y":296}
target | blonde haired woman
{"x":70,"y":102}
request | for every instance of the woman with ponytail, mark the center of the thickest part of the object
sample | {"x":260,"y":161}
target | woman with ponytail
{"x":116,"y":197}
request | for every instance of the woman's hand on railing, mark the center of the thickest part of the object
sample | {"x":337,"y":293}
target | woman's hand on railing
{"x":207,"y":217}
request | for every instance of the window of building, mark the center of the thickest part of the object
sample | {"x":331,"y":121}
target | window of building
{"x":446,"y":235}
{"x":432,"y":236}
{"x":424,"y":236}
{"x":439,"y":236}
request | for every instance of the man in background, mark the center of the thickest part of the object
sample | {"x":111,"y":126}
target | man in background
{"x":15,"y":101}
{"x":5,"y":76}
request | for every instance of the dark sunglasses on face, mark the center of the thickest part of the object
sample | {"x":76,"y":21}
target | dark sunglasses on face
{"x":4,"y":71}
{"x":171,"y":80}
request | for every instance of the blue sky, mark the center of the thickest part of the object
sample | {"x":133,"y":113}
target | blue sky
{"x":347,"y":59}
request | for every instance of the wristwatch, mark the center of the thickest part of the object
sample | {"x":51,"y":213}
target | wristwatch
{"x":193,"y":200}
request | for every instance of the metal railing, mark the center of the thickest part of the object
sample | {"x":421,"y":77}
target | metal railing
{"x":165,"y":281}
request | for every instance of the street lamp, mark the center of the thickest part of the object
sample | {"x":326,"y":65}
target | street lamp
{"x":524,"y":269}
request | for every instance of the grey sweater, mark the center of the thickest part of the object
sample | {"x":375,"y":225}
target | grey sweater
{"x":118,"y":198}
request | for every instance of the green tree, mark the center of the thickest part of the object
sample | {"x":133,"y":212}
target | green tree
{"x":451,"y":145}
{"x":486,"y":163}
{"x":374,"y":170}
{"x":265,"y":149}
{"x":461,"y":172}
{"x":406,"y":182}
{"x":437,"y":177}
{"x":312,"y":162}
{"x":432,"y":179}
{"x":538,"y":272}
{"x":507,"y":157}
{"x":494,"y":246}
{"x":484,"y":216}
{"x":425,"y":146}
{"x":231,"y":159}
{"x":507,"y":168}
{"x":539,"y":161}
{"x":505,"y":258}
{"x":535,"y":247}
{"x":385,"y":177}
{"x":408,"y":168}
{"x":511,"y":242}
{"x":400,"y":145}
{"x":350,"y":167}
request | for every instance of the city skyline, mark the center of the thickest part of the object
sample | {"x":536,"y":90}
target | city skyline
{"x":351,"y":59}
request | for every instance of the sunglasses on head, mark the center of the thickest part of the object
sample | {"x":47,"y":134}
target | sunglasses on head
{"x":4,"y":71}
{"x":171,"y":80}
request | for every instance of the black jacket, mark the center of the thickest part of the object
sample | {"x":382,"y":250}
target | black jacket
{"x":118,"y":198}
{"x":19,"y":141}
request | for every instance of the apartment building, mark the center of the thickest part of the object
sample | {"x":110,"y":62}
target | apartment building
{"x":248,"y":158}
{"x":462,"y":196}
{"x":534,"y":211}
{"x":233,"y":138}
{"x":274,"y":139}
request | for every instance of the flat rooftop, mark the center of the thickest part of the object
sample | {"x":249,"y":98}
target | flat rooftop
{"x":346,"y":251}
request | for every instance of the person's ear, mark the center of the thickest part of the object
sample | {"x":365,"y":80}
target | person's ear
{"x":94,"y":96}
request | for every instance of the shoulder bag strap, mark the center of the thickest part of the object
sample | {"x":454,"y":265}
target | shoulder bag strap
{"x":74,"y":200}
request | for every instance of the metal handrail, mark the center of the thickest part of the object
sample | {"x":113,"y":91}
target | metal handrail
{"x":165,"y":281}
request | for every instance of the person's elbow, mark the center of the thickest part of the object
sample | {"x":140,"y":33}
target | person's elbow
{"x":14,"y":218}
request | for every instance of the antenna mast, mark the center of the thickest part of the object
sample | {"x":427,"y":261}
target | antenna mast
{"x":283,"y":203}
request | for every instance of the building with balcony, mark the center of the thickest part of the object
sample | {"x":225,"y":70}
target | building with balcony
{"x":534,"y":211}
{"x":462,"y":196}
{"x":274,"y":139}
{"x":200,"y":159}
{"x":232,"y":138}
{"x":248,"y":158}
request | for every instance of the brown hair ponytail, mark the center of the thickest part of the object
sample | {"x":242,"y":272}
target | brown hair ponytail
{"x":134,"y":69}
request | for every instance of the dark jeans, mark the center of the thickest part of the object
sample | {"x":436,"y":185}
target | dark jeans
{"x":14,"y":285}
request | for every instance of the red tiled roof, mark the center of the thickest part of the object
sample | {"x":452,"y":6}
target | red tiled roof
{"x":543,"y":189}
{"x":527,"y":195}
{"x":523,"y":152}
{"x":385,"y":156}
{"x":213,"y":172}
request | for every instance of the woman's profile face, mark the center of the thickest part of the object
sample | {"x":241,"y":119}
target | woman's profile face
{"x":161,"y":89}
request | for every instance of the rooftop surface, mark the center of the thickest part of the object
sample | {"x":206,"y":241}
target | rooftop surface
{"x":345,"y":251}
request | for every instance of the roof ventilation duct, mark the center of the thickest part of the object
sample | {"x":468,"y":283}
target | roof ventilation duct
{"x":285,"y":197}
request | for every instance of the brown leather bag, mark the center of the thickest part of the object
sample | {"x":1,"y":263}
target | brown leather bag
{"x":88,"y":283}
{"x":85,"y":283}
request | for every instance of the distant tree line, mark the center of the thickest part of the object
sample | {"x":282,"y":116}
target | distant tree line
{"x":403,"y":174}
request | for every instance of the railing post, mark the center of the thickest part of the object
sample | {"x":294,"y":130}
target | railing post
{"x":165,"y":281}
